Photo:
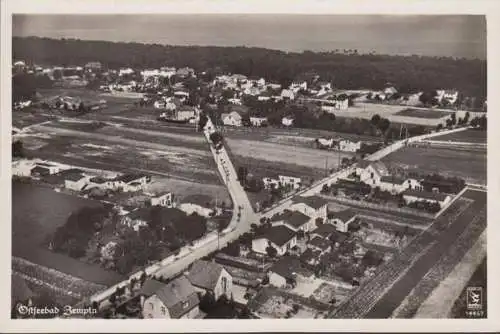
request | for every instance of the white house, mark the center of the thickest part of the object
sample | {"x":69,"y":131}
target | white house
{"x":75,"y":181}
{"x":175,"y":300}
{"x":450,"y":95}
{"x":132,"y":182}
{"x":287,"y":94}
{"x":342,"y":219}
{"x":371,"y":172}
{"x":396,"y":185}
{"x":165,"y":200}
{"x":312,"y":206}
{"x":258,"y":121}
{"x":210,"y":277}
{"x":235,"y":101}
{"x":411,"y":196}
{"x":263,"y":98}
{"x":279,"y":237}
{"x":52,"y":169}
{"x":137,"y":219}
{"x":270,"y":183}
{"x":274,"y":85}
{"x":190,"y":208}
{"x":125,"y":71}
{"x":288,"y":271}
{"x":293,"y":182}
{"x":104,"y":183}
{"x":347,"y":145}
{"x":287,"y":121}
{"x":294,"y":220}
{"x":296,"y":86}
{"x":231,"y":119}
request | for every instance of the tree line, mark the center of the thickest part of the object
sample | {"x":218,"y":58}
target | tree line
{"x":347,"y":71}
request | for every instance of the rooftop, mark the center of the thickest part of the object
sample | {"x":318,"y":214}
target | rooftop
{"x":325,"y":230}
{"x":315,"y":202}
{"x":319,"y":243}
{"x":392,"y":179}
{"x":204,"y":274}
{"x":344,"y":215}
{"x":288,"y":267}
{"x":278,"y":235}
{"x":129,"y":177}
{"x":294,"y":218}
{"x":426,"y":195}
{"x":174,"y":295}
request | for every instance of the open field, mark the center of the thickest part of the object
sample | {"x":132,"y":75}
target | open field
{"x":35,"y":216}
{"x":281,"y":156}
{"x":468,"y":136}
{"x":467,"y":164}
{"x":423,"y":113}
{"x":113,"y":149}
{"x":391,"y":112}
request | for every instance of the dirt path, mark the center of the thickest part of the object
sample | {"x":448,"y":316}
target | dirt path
{"x":440,"y":302}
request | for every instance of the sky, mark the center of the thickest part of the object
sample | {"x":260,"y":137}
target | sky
{"x":430,"y":35}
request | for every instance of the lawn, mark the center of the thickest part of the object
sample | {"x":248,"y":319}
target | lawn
{"x":467,"y":164}
{"x":423,"y":113}
{"x":468,"y":136}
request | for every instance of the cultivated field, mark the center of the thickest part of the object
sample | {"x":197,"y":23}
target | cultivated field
{"x":464,"y":163}
{"x":467,"y":136}
{"x":423,"y":113}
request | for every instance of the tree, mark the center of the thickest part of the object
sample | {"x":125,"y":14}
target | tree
{"x":384,"y":125}
{"x":319,"y":221}
{"x":216,"y":138}
{"x":439,"y":127}
{"x":202,"y":122}
{"x":375,"y":120}
{"x":17,"y":149}
{"x":271,"y":251}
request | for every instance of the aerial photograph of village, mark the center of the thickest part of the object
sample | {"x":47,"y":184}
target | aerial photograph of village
{"x":248,"y":166}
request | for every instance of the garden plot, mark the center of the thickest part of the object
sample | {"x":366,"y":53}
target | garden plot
{"x":383,"y":238}
{"x":280,"y":307}
{"x":184,"y":188}
{"x":326,"y":292}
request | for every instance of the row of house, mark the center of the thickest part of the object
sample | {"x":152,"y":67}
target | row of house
{"x":180,"y":298}
{"x":282,"y":181}
{"x":376,"y":174}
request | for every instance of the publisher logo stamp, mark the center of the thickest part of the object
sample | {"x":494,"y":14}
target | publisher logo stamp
{"x":474,"y":298}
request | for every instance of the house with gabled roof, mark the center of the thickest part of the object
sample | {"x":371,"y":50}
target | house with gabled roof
{"x":396,"y":185}
{"x":75,"y":181}
{"x":231,"y":119}
{"x":212,"y":278}
{"x":175,"y":300}
{"x":312,"y":206}
{"x":323,"y":231}
{"x":279,"y":237}
{"x":411,"y":196}
{"x":371,"y":172}
{"x":294,"y":220}
{"x":288,"y":271}
{"x":132,"y":182}
{"x":342,"y":219}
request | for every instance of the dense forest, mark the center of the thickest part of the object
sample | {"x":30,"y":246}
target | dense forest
{"x":346,"y":71}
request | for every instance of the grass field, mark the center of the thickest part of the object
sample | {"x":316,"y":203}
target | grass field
{"x":467,"y":164}
{"x":468,"y":136}
{"x":423,"y":113}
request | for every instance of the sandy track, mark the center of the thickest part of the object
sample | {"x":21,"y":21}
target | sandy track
{"x":308,"y":157}
{"x":121,"y":140}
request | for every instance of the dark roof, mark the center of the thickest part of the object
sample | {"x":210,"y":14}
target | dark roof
{"x":426,"y":195}
{"x":288,"y":266}
{"x":179,"y":296}
{"x":98,"y":180}
{"x":70,"y":171}
{"x":392,"y":179}
{"x":294,"y":218}
{"x":315,"y":202}
{"x":344,"y":215}
{"x":74,"y":177}
{"x":204,"y":274}
{"x":39,"y":169}
{"x":325,"y":230}
{"x":129,"y":177}
{"x":278,"y":235}
{"x":319,"y":243}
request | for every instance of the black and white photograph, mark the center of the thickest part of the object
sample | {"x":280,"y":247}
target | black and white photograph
{"x":247,"y":166}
